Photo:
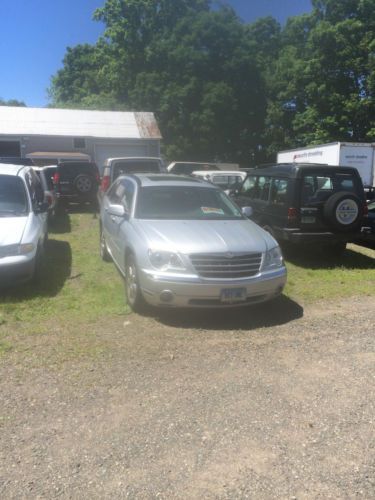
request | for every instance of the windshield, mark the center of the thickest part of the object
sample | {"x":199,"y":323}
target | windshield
{"x":13,"y":200}
{"x":185,"y":203}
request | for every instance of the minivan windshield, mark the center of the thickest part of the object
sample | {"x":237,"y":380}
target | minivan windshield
{"x":13,"y":199}
{"x":185,"y":203}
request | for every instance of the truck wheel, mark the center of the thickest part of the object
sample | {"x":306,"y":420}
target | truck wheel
{"x":83,"y":184}
{"x":343,"y":211}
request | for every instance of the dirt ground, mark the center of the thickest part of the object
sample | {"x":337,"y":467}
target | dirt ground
{"x":272,"y":402}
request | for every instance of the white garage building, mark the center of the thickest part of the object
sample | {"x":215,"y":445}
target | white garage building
{"x":99,"y":134}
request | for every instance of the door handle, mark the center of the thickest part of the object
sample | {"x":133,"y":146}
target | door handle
{"x":113,"y":218}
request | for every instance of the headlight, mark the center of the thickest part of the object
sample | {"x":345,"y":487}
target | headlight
{"x":164,"y":261}
{"x":13,"y":250}
{"x":273,"y":259}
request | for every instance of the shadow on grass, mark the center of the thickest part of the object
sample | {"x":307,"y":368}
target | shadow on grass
{"x":61,"y":224}
{"x":55,"y":271}
{"x":350,"y":259}
{"x":278,"y":312}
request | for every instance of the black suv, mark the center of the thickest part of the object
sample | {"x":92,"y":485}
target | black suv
{"x":76,"y":181}
{"x":306,"y":203}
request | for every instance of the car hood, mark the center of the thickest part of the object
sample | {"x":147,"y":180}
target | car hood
{"x":207,"y":236}
{"x":11,"y":230}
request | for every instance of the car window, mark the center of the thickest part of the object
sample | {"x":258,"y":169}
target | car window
{"x":135,"y":166}
{"x":263,"y":188}
{"x":317,"y":188}
{"x":279,"y":191}
{"x":13,"y":198}
{"x":248,"y":186}
{"x":35,"y":188}
{"x":185,"y":203}
{"x":122,"y":193}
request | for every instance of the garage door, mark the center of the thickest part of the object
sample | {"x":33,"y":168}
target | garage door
{"x":104,"y":151}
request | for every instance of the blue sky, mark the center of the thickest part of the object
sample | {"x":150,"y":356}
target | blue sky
{"x":35,"y":33}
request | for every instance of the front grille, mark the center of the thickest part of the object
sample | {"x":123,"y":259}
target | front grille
{"x":226,"y":266}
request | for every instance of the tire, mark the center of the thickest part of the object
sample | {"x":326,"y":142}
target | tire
{"x":84,"y":184}
{"x":38,"y":268}
{"x":133,"y":292}
{"x":104,"y":254}
{"x":343,"y":211}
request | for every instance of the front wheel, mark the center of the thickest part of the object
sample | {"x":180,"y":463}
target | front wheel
{"x":133,"y":292}
{"x":104,"y":254}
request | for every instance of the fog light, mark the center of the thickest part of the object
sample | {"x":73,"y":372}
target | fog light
{"x":166,"y":296}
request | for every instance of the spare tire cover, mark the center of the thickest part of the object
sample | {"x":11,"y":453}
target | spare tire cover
{"x":343,"y":211}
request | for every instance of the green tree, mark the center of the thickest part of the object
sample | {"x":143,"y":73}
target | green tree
{"x":323,"y":82}
{"x":12,"y":102}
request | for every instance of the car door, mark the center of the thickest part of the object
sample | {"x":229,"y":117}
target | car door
{"x":114,"y":226}
{"x":39,"y":219}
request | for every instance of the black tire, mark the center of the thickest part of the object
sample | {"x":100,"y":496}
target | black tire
{"x":133,"y":292}
{"x":84,"y":184}
{"x":104,"y":254}
{"x":38,"y":267}
{"x":343,"y":211}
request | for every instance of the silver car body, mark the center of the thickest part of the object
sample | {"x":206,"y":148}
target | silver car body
{"x":23,"y":223}
{"x":219,"y":262}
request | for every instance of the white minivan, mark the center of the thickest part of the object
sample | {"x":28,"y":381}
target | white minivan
{"x":23,"y":224}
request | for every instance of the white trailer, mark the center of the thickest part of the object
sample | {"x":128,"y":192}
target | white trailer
{"x":347,"y":154}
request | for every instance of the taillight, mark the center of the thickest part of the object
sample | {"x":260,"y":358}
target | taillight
{"x":49,"y":199}
{"x":56,"y":178}
{"x":292,"y":214}
{"x":105,"y":183}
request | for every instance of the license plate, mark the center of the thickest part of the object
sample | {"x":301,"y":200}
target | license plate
{"x":233,"y":295}
{"x":306,"y":219}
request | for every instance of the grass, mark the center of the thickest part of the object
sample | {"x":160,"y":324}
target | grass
{"x":78,"y":289}
{"x":75,"y":283}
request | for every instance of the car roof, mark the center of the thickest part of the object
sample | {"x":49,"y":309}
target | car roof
{"x":151,"y":179}
{"x":132,"y":158}
{"x":219,"y":172}
{"x":295,"y":169}
{"x":10,"y":169}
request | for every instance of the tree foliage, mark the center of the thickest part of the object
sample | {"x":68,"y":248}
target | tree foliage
{"x":224,"y":89}
{"x":12,"y":102}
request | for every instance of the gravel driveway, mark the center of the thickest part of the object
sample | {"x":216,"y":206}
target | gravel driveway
{"x":273,"y":402}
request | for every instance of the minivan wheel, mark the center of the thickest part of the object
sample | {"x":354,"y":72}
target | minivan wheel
{"x":104,"y":254}
{"x":133,"y":292}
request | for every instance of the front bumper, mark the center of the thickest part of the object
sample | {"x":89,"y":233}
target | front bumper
{"x":192,"y":291}
{"x":15,"y":270}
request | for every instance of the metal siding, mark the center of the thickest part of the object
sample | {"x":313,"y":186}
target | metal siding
{"x":77,"y":123}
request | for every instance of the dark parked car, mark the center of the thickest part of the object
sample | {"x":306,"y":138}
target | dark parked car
{"x":306,"y":203}
{"x":76,"y":181}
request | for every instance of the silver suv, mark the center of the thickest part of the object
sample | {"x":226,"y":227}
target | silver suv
{"x":180,"y":241}
{"x":23,"y":224}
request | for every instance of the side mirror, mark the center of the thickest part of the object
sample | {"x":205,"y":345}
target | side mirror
{"x":247,"y":211}
{"x":117,"y":210}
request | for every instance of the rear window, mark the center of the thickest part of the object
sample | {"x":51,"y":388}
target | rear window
{"x":135,"y":167}
{"x":72,"y":168}
{"x":13,"y":199}
{"x":318,"y":188}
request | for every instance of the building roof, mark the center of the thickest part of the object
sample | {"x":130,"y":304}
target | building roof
{"x":77,"y":123}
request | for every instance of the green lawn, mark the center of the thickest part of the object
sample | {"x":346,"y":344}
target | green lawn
{"x":77,"y":285}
